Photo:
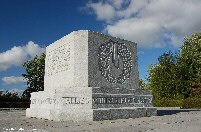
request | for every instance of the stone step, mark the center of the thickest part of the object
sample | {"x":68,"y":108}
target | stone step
{"x":123,"y":113}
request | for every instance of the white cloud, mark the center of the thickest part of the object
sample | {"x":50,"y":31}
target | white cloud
{"x":33,"y":49}
{"x":150,"y":23}
{"x":13,"y":80}
{"x":103,"y":11}
{"x":16,"y":90}
{"x":118,"y":3}
{"x":17,"y":55}
{"x":133,"y":8}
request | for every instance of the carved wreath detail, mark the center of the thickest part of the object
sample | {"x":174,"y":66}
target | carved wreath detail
{"x":115,"y":51}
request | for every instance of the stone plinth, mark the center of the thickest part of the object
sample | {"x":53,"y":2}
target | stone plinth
{"x":90,"y":76}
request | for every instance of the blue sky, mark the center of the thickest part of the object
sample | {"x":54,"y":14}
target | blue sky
{"x":28,"y":26}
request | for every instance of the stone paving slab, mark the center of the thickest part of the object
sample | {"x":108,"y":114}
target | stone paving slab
{"x":179,"y":121}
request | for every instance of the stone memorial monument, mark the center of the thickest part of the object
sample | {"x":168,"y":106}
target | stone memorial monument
{"x":90,"y":76}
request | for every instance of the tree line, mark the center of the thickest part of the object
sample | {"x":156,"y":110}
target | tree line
{"x":178,"y":75}
{"x":13,"y":100}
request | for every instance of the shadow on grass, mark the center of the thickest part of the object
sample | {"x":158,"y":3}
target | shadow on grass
{"x":171,"y":112}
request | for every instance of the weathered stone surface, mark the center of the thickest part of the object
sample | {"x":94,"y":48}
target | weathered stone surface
{"x":122,"y":113}
{"x":91,"y":76}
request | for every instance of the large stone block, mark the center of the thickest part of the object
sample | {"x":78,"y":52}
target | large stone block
{"x":91,"y":76}
{"x":83,"y":58}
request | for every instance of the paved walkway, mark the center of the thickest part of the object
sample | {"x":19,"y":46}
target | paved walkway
{"x":171,"y":120}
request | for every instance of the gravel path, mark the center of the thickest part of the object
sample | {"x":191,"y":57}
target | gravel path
{"x":169,"y":121}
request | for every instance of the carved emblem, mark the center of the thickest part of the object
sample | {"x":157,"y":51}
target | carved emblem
{"x":110,"y":54}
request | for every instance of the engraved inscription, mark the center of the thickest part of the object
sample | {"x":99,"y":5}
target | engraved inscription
{"x":46,"y":101}
{"x":63,"y":100}
{"x":122,"y":100}
{"x":96,"y":100}
{"x":58,"y":60}
{"x":76,"y":100}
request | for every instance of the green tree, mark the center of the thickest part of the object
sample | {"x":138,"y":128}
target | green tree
{"x":163,"y":76}
{"x":35,"y":70}
{"x":175,"y":75}
{"x":190,"y":59}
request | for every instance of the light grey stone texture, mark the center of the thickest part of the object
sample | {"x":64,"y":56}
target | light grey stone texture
{"x":70,"y":105}
{"x":66,"y":63}
{"x":91,"y":76}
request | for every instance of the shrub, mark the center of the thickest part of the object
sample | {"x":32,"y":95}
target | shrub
{"x":167,"y":102}
{"x":191,"y":103}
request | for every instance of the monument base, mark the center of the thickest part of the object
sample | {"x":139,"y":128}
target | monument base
{"x":91,"y":115}
{"x":60,"y":114}
{"x":123,"y":113}
{"x":91,"y":104}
